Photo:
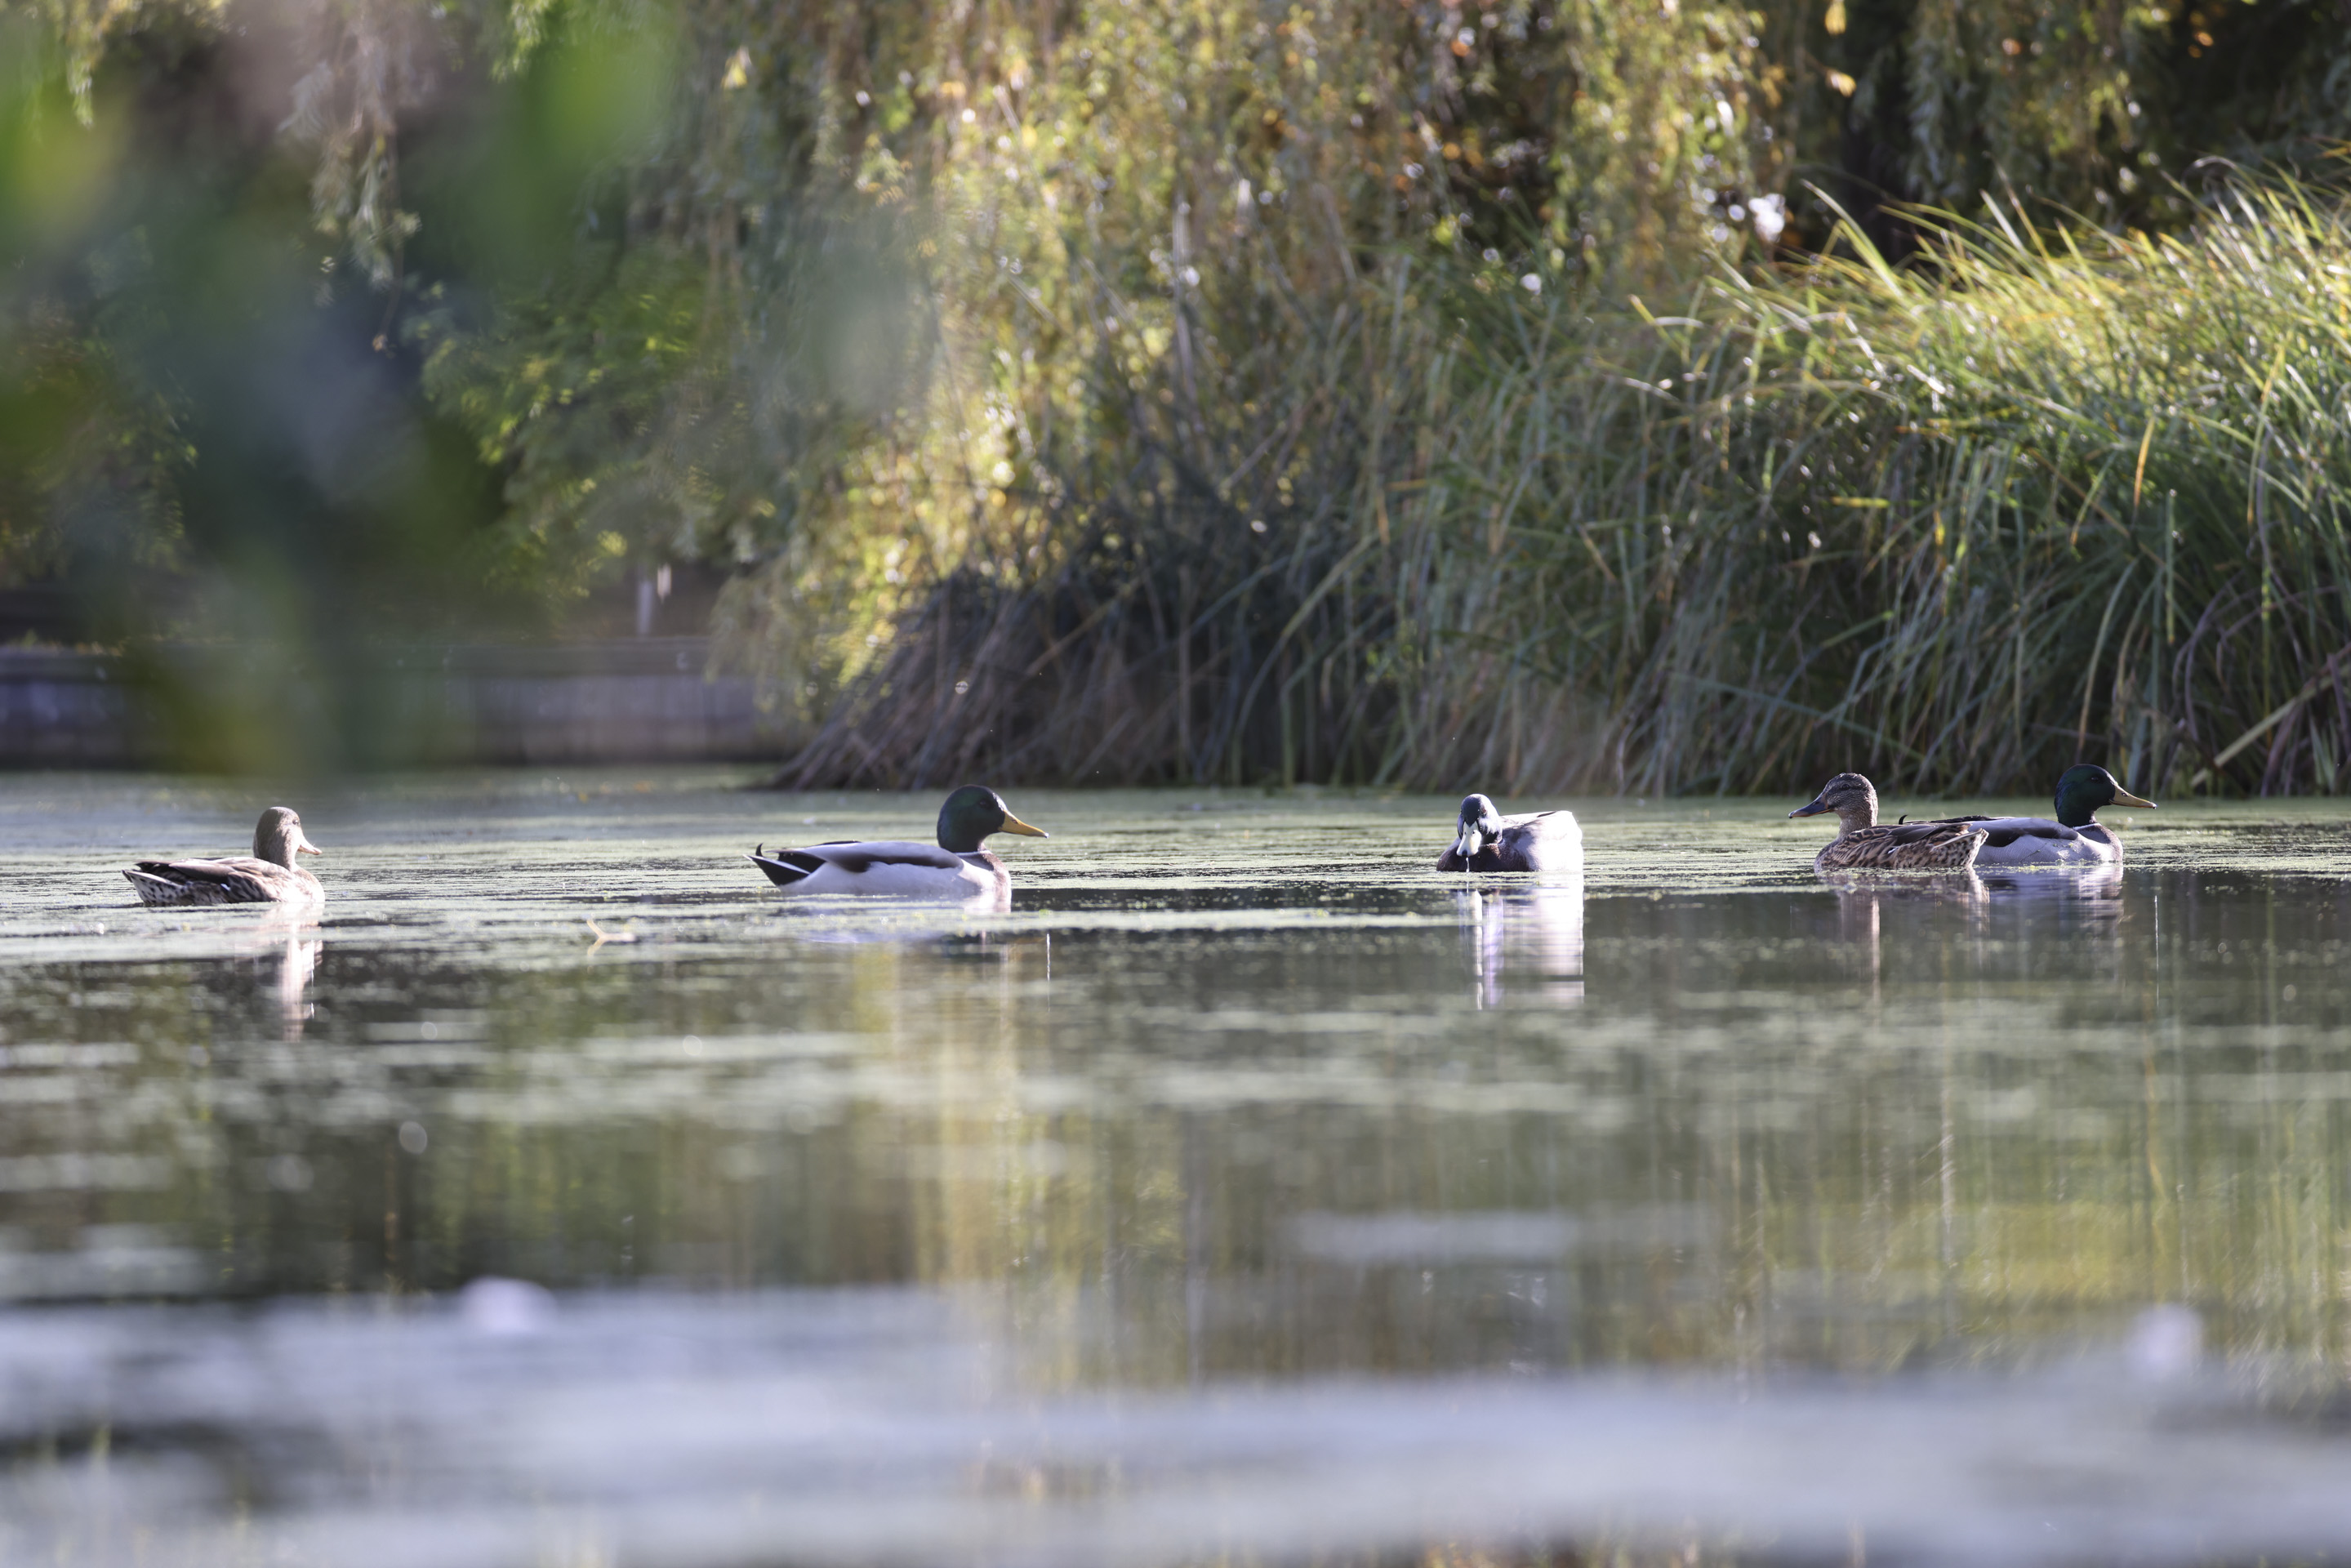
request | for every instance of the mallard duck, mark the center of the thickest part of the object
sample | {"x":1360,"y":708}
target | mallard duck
{"x":1863,"y":844}
{"x":1485,"y":839}
{"x":268,"y":876}
{"x":956,"y":868}
{"x":2076,"y":838}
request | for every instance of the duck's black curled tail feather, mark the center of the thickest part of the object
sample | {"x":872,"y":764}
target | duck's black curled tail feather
{"x":786,"y":868}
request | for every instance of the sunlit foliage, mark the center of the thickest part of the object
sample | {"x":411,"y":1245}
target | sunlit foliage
{"x":1205,"y":389}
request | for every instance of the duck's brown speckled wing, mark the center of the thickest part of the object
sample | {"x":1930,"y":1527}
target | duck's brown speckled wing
{"x":233,"y":879}
{"x":1905,"y":846}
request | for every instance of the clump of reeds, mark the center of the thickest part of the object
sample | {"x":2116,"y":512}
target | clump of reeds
{"x":2050,"y":496}
{"x":2047,"y":494}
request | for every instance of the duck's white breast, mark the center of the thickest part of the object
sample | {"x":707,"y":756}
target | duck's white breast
{"x":2039,"y":841}
{"x":900,"y":869}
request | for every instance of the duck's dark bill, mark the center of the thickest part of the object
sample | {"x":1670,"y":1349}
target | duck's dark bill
{"x":1814,"y":810}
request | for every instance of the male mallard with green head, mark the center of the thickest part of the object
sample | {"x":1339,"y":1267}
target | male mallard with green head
{"x":2076,"y":838}
{"x":1485,"y":839}
{"x":1863,"y":844}
{"x":956,"y":868}
{"x":268,"y":876}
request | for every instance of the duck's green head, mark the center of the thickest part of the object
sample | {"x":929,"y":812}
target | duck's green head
{"x":2084,"y":789}
{"x":1851,"y":797}
{"x":1481,"y":825}
{"x":278,"y":838}
{"x":972,"y":813}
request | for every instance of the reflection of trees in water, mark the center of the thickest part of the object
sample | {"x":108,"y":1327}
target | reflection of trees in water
{"x":2055,"y":1107}
{"x":1534,"y":936}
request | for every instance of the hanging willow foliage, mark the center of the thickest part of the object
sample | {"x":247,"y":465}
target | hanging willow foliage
{"x":1958,"y":526}
{"x":1214,"y":390}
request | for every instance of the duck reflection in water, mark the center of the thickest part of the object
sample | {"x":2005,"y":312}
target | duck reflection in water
{"x":2013,"y":914}
{"x":288,"y":954}
{"x":2095,"y":891}
{"x":297,"y":964}
{"x":1864,"y":902}
{"x":879,"y":919}
{"x":893,"y":922}
{"x":995,"y":948}
{"x":2069,"y":920}
{"x":1527,"y":941}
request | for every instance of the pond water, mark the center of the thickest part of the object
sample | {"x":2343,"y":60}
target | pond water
{"x":563,"y":1194}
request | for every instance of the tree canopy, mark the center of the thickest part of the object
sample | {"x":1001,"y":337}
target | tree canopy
{"x":336,"y":318}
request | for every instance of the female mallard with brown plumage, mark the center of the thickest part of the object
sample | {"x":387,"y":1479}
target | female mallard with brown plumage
{"x":268,"y":876}
{"x":1863,"y":844}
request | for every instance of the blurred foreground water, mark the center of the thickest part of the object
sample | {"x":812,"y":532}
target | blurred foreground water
{"x":1248,"y":1193}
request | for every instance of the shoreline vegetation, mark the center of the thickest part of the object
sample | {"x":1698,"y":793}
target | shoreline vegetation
{"x":1539,"y":395}
{"x":2041,"y":494}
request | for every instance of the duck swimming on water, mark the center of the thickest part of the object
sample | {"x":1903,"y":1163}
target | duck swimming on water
{"x":1485,"y":839}
{"x":268,"y":876}
{"x":2076,"y":838}
{"x":1863,"y":844}
{"x":957,"y":867}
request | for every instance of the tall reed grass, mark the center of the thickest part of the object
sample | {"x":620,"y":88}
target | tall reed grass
{"x":2046,"y":493}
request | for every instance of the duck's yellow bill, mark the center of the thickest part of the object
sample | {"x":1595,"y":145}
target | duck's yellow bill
{"x":1013,"y":824}
{"x":2125,"y":797}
